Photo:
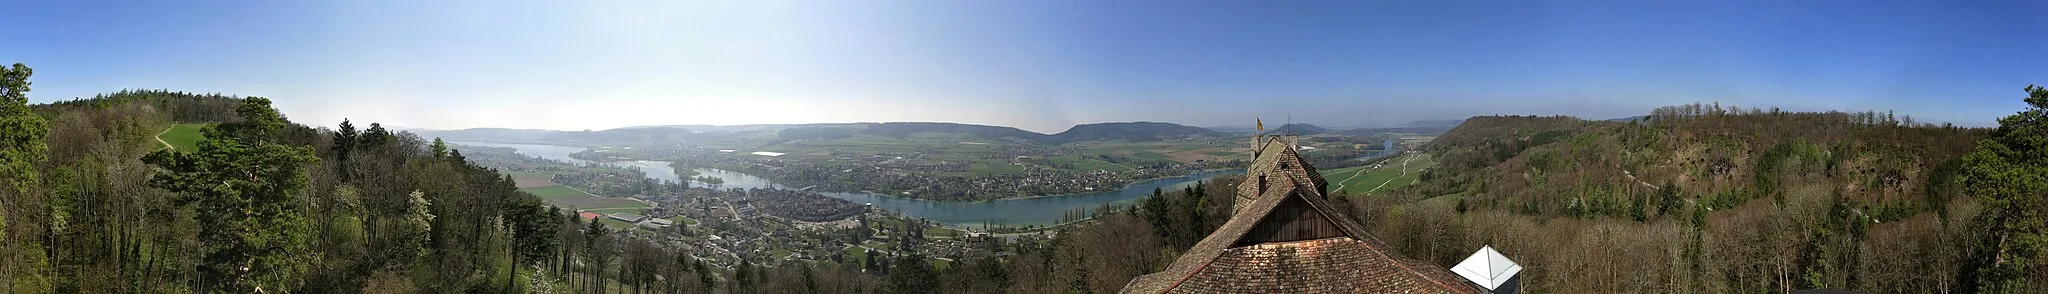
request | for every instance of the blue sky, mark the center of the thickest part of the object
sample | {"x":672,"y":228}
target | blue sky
{"x":1038,"y":65}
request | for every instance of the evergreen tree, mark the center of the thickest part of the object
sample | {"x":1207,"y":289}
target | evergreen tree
{"x":2009,"y":174}
{"x":251,"y":229}
{"x":21,"y":147}
{"x":21,"y":131}
{"x":704,"y":277}
{"x":1155,"y":212}
{"x":743,"y":276}
{"x":593,"y":240}
{"x":344,"y":147}
{"x":440,"y":148}
{"x":532,"y":232}
{"x":810,"y":282}
{"x":1668,"y":201}
{"x":374,"y":137}
{"x":910,"y":273}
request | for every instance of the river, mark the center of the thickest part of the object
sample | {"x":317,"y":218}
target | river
{"x":1014,"y":212}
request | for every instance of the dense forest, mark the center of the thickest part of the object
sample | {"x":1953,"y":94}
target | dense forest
{"x":1695,"y":198}
{"x":1705,"y":198}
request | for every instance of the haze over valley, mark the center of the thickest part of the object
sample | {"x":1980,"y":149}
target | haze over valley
{"x":537,"y":146}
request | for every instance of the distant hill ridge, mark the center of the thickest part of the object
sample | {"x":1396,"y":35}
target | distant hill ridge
{"x":1299,"y":129}
{"x":1426,"y":127}
{"x":1133,"y":131}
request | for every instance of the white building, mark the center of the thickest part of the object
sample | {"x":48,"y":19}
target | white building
{"x":1491,"y":271}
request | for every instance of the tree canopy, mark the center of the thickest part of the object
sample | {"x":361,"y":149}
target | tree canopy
{"x":2009,"y":173}
{"x":252,"y":226}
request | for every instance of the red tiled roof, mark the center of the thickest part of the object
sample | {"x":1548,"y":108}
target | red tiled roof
{"x":589,"y":215}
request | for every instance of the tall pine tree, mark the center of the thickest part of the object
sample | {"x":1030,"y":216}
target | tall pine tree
{"x":2009,"y":173}
{"x":21,"y":148}
{"x":251,"y":231}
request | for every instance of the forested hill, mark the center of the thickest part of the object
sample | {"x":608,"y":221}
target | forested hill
{"x":1884,"y":161}
{"x":1711,"y":199}
{"x":95,"y":204}
{"x":1130,"y":131}
{"x":1299,"y":129}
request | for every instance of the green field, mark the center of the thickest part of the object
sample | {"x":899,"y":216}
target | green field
{"x":571,"y":198}
{"x":532,"y":179}
{"x":1365,"y":179}
{"x":182,"y":136}
{"x":683,"y":220}
{"x":855,"y":253}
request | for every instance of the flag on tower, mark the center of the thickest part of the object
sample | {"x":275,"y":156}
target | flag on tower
{"x":1261,"y":124}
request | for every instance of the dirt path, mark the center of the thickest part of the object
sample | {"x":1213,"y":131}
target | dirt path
{"x":160,"y":138}
{"x":1354,"y":175}
{"x":1632,"y":177}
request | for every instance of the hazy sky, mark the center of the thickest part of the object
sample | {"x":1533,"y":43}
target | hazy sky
{"x":1038,"y":65}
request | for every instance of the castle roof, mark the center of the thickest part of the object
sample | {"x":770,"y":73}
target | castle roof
{"x":1284,"y":237}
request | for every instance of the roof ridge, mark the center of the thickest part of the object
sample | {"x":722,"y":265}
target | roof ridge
{"x":1404,"y":268}
{"x":1213,"y":246}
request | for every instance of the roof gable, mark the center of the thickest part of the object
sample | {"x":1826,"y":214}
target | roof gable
{"x":1292,"y":220}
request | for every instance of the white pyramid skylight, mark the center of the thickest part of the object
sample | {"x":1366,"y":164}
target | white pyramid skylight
{"x":1488,"y":268}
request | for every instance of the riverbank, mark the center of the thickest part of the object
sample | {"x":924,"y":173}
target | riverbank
{"x":1126,"y":186}
{"x":1015,"y":212}
{"x":1204,"y":173}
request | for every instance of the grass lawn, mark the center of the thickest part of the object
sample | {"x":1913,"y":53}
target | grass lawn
{"x":1149,"y":155}
{"x":780,"y":253}
{"x":571,"y":198}
{"x":532,"y":179}
{"x":1088,"y":164}
{"x":183,"y":137}
{"x":855,"y":253}
{"x":683,"y":220}
{"x":553,"y":191}
{"x":941,"y":264}
{"x":1389,"y":177}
